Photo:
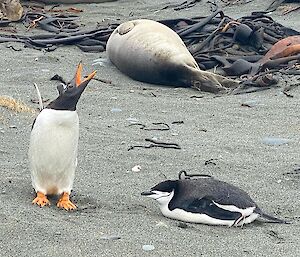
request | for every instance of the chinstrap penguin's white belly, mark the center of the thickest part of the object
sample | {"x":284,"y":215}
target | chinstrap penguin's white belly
{"x":185,"y":216}
{"x":53,"y":151}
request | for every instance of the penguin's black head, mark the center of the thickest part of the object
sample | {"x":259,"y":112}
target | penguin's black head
{"x":70,"y":93}
{"x":161,"y":190}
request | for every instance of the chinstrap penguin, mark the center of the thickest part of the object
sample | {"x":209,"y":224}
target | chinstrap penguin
{"x":54,"y":142}
{"x":203,"y":199}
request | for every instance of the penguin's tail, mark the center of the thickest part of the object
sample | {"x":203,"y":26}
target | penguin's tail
{"x":271,"y":218}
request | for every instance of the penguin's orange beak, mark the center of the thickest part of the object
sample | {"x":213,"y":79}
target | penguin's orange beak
{"x":78,"y":81}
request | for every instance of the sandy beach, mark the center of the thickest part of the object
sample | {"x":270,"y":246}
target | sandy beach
{"x":112,"y":218}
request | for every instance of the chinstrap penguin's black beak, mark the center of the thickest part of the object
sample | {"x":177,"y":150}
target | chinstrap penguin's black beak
{"x":147,"y":193}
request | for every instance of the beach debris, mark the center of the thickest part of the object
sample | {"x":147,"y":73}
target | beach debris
{"x":164,"y":126}
{"x":148,"y":247}
{"x":296,"y":171}
{"x":106,"y":81}
{"x":110,"y":237}
{"x":182,"y":225}
{"x":74,"y":1}
{"x":10,"y":10}
{"x":210,"y":162}
{"x":156,"y":143}
{"x":14,"y":105}
{"x":276,"y":3}
{"x":136,"y":168}
{"x":249,"y":103}
{"x":58,"y":78}
{"x":275,"y":141}
{"x":283,"y":48}
{"x":183,"y":5}
{"x":177,"y":122}
{"x":275,"y":235}
{"x":290,"y":9}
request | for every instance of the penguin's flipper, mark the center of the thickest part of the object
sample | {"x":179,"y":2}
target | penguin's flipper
{"x":207,"y":206}
{"x":64,"y":202}
{"x":41,"y":200}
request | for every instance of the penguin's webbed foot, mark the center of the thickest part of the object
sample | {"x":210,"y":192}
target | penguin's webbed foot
{"x":64,"y":202}
{"x":41,"y":200}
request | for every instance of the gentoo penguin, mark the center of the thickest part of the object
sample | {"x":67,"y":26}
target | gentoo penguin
{"x":53,"y":144}
{"x":203,"y":199}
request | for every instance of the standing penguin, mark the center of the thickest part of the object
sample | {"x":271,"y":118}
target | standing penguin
{"x":54,"y":142}
{"x":203,"y":199}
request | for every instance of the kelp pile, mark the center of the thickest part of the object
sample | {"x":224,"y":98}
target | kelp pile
{"x":242,"y":48}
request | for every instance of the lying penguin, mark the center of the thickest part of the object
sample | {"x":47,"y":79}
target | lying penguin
{"x":203,"y":199}
{"x":53,"y":144}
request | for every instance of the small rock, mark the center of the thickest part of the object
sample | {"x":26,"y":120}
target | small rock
{"x":136,"y":168}
{"x":148,"y":247}
{"x":132,"y":120}
{"x":161,"y":224}
{"x":275,"y":141}
{"x":116,"y":110}
{"x":182,"y":225}
{"x":12,"y":126}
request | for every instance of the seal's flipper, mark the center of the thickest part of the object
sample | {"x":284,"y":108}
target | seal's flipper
{"x":211,"y":82}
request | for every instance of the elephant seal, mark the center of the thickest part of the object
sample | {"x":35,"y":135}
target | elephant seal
{"x":149,"y":51}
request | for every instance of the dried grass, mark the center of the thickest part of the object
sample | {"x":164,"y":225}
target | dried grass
{"x":14,"y":105}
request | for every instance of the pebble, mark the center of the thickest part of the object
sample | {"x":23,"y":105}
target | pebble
{"x":148,"y":247}
{"x":132,"y":120}
{"x":104,"y":62}
{"x":275,"y":141}
{"x":116,"y":110}
{"x":136,"y":168}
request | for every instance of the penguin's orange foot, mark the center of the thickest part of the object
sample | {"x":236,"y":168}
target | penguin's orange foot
{"x":64,"y":202}
{"x":41,"y":200}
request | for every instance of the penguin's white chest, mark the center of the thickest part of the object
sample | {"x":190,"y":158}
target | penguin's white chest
{"x":53,"y":151}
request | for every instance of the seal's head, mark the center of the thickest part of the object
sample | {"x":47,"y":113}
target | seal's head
{"x":70,"y":93}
